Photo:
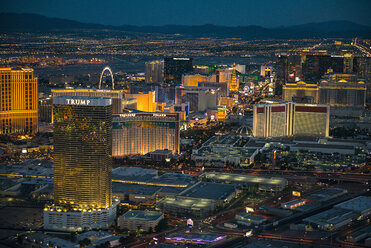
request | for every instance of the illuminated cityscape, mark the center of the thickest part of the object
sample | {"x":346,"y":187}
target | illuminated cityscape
{"x":208,"y":123}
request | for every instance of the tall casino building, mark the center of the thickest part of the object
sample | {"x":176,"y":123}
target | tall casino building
{"x":18,"y":101}
{"x":289,"y":118}
{"x":141,"y":133}
{"x":82,"y":164}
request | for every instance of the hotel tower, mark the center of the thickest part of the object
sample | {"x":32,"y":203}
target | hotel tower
{"x":18,"y":101}
{"x":82,"y":164}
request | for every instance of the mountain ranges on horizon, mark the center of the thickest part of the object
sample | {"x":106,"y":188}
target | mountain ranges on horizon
{"x":11,"y":22}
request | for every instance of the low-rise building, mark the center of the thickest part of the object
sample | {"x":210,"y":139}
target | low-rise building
{"x":137,"y":219}
{"x":187,"y":206}
{"x":249,"y":219}
{"x":42,"y":240}
{"x":219,"y":192}
{"x":261,"y":183}
{"x":57,"y":218}
{"x":161,"y":155}
{"x":293,"y":204}
{"x":134,"y":192}
{"x":326,"y":194}
{"x":360,"y":205}
{"x":331,"y":219}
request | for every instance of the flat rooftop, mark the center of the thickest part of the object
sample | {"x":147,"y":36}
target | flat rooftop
{"x":238,"y":178}
{"x":133,"y":171}
{"x":358,"y":204}
{"x":126,"y":188}
{"x":138,"y":215}
{"x":215,"y":191}
{"x":225,"y":151}
{"x":327,"y":194}
{"x":161,"y":152}
{"x":187,"y":202}
{"x":331,"y":217}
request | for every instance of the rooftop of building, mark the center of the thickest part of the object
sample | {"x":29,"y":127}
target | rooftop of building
{"x":326,"y":194}
{"x":16,"y":69}
{"x":331,"y":217}
{"x":188,"y":202}
{"x":295,"y":201}
{"x":278,"y":103}
{"x":366,"y":230}
{"x":166,"y":180}
{"x":139,"y":215}
{"x":127,"y":188}
{"x":161,"y":152}
{"x":276,"y":210}
{"x":308,"y":206}
{"x":324,"y":146}
{"x":238,"y":178}
{"x":223,"y":152}
{"x":51,"y":241}
{"x":215,"y":191}
{"x":88,"y":90}
{"x":358,"y":204}
{"x":134,"y":171}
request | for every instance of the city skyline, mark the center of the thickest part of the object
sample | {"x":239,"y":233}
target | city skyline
{"x":232,"y":124}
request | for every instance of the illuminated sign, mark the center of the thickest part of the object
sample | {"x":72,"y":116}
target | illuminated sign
{"x":248,"y":209}
{"x":190,"y":223}
{"x":78,"y":101}
{"x":180,"y":58}
{"x":127,"y":115}
{"x":296,"y":193}
{"x":159,"y":115}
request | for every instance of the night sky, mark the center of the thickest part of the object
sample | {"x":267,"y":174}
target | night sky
{"x":266,"y":13}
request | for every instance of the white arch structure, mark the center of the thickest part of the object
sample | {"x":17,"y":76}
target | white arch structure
{"x":107,"y":68}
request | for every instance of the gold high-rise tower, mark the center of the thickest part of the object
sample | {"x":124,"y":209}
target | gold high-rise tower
{"x":82,"y":151}
{"x":18,"y":101}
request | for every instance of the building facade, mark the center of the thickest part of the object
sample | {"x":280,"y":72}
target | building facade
{"x":155,"y":71}
{"x":82,"y":164}
{"x":199,"y":98}
{"x":141,"y":133}
{"x":342,"y":90}
{"x":300,"y":89}
{"x":18,"y":101}
{"x":288,"y":119}
{"x":336,"y":90}
{"x":174,"y":68}
{"x":82,"y":150}
{"x":146,"y":102}
{"x":194,"y":79}
{"x":315,"y":66}
{"x":137,"y":219}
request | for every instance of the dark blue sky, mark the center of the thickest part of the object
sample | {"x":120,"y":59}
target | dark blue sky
{"x":267,"y":13}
